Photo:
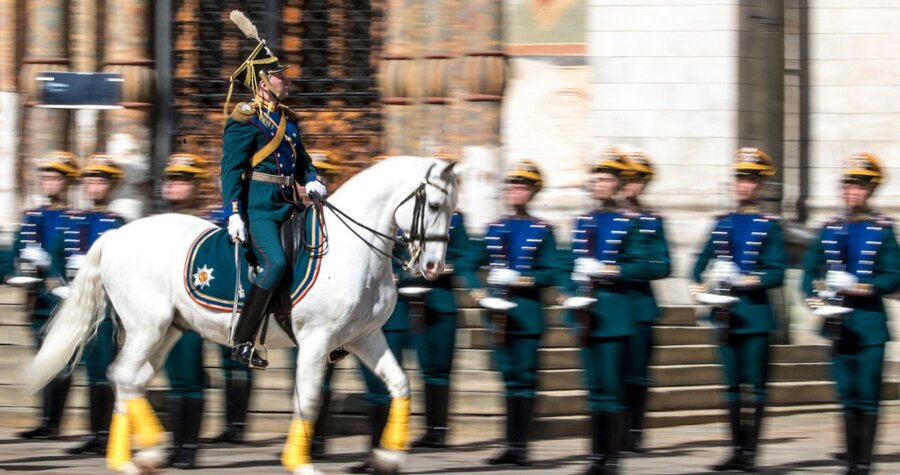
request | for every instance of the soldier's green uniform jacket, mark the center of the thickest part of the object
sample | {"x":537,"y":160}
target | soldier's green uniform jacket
{"x":459,"y":261}
{"x":609,"y":236}
{"x":867,"y":247}
{"x":753,"y":240}
{"x":246,"y":133}
{"x":527,"y":245}
{"x":657,"y":265}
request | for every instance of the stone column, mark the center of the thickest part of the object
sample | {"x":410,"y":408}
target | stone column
{"x":83,"y":43}
{"x":398,"y":78}
{"x":45,"y":50}
{"x":483,"y":66}
{"x":128,"y":134}
{"x":9,"y":104}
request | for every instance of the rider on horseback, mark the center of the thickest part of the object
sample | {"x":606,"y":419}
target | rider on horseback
{"x":263,"y":161}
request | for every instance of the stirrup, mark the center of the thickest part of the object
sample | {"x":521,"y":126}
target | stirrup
{"x":247,"y":354}
{"x":337,"y":355}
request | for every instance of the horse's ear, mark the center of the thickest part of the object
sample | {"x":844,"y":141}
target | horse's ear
{"x":448,"y":169}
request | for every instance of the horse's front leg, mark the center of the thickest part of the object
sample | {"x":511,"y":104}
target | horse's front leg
{"x":311,"y":365}
{"x":373,"y":351}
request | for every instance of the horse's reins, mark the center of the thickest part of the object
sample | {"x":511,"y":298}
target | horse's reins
{"x":417,"y":235}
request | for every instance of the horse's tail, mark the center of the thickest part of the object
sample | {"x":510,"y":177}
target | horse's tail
{"x":74,"y":323}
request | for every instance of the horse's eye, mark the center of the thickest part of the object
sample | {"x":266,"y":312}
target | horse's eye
{"x":434,"y":206}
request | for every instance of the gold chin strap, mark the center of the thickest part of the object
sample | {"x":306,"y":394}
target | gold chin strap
{"x":265,"y":80}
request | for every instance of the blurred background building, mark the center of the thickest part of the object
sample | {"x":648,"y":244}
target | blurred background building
{"x":488,"y":82}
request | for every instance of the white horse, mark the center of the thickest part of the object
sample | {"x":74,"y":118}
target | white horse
{"x":139,"y":269}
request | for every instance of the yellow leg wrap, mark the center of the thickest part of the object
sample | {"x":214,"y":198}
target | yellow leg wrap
{"x":118,"y":450}
{"x":148,"y":432}
{"x":396,"y":432}
{"x":296,"y":447}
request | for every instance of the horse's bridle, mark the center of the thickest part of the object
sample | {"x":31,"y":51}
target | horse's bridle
{"x":417,"y":237}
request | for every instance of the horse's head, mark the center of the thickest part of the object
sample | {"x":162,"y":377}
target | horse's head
{"x":424,"y":219}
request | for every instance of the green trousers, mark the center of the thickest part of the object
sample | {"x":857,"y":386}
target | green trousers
{"x":746,"y":361}
{"x":858,"y":370}
{"x":184,"y":366}
{"x":604,"y":364}
{"x":517,"y":361}
{"x":639,"y":350}
{"x":435,"y":346}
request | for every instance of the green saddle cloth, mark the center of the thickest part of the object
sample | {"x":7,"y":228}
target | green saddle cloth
{"x":209,"y":270}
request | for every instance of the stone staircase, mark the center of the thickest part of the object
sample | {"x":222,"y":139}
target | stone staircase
{"x":684,"y":367}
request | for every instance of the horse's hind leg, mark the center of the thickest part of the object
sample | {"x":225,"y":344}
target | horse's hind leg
{"x":311,"y":365}
{"x":373,"y":351}
{"x":144,"y":350}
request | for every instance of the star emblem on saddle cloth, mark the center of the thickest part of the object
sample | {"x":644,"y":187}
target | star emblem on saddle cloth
{"x":203,"y":277}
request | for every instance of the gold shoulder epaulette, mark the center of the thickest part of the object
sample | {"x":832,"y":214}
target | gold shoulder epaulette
{"x":243,"y":111}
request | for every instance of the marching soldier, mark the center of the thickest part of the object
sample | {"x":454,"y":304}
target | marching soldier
{"x":263,"y":163}
{"x":749,"y":259}
{"x":184,"y":176}
{"x":521,"y":252}
{"x":41,"y":227}
{"x":606,"y":245}
{"x":99,"y":179}
{"x":644,"y":311}
{"x":856,"y":255}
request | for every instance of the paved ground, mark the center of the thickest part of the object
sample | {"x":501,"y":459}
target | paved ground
{"x":792,"y":444}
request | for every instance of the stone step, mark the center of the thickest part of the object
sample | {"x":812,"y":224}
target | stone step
{"x":11,"y":295}
{"x":710,"y":397}
{"x":13,"y":315}
{"x":561,"y":337}
{"x":709,"y":354}
{"x":16,"y":335}
{"x":555,"y":316}
{"x":712,"y":374}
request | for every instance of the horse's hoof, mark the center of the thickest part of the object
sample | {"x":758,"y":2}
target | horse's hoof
{"x":387,"y":462}
{"x":308,"y":469}
{"x":130,"y":468}
{"x":150,"y":460}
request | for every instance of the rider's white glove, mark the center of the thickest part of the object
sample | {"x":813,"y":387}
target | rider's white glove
{"x":316,"y":187}
{"x":502,"y":276}
{"x":75,"y":261}
{"x":588,"y":266}
{"x":36,"y":255}
{"x":837,"y":280}
{"x":725,"y":271}
{"x":236,"y":228}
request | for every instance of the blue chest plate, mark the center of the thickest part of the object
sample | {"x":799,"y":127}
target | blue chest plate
{"x":600,"y":235}
{"x":84,"y":228}
{"x":740,"y":236}
{"x":41,"y":226}
{"x":285,"y":156}
{"x":852,"y":247}
{"x":514,"y":242}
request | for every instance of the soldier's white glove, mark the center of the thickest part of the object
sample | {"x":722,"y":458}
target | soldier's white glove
{"x":589,"y":266}
{"x":236,"y":228}
{"x":725,"y":271}
{"x":36,"y":255}
{"x":316,"y":187}
{"x":495,"y":303}
{"x":75,"y":261}
{"x":839,"y":280}
{"x":502,"y":277}
{"x":575,"y":303}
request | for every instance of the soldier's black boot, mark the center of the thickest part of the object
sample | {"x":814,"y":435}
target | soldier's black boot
{"x":237,"y":399}
{"x":636,"y":429}
{"x":868,"y":423}
{"x":175,"y":408}
{"x":614,"y":424}
{"x":252,"y":313}
{"x":320,"y":431}
{"x":101,"y":399}
{"x":378,"y":417}
{"x":191,"y":417}
{"x":508,"y":455}
{"x":751,"y":436}
{"x":55,"y":393}
{"x":851,"y":436}
{"x":525,"y":414}
{"x":436,"y":407}
{"x":736,"y":460}
{"x":598,"y":445}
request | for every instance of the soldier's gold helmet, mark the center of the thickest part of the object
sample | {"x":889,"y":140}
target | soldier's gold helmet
{"x":612,"y":160}
{"x":261,"y":62}
{"x":60,"y":161}
{"x":326,"y":162}
{"x":863,"y":167}
{"x":753,"y":162}
{"x":525,"y":172}
{"x":103,"y":166}
{"x":641,"y":168}
{"x":186,"y":165}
